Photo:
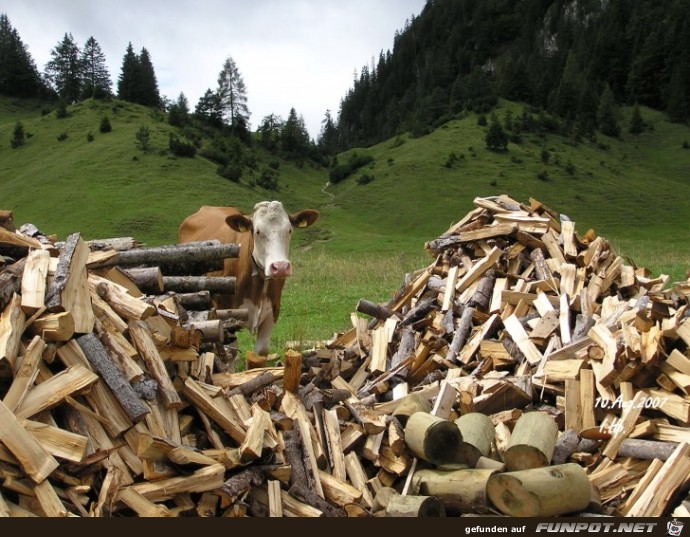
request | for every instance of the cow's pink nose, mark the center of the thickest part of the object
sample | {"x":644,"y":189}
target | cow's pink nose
{"x":281,"y":269}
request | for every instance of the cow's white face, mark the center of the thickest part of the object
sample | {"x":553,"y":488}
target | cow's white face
{"x":271,"y":227}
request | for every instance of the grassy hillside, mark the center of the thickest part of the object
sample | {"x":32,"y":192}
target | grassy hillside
{"x":633,"y":191}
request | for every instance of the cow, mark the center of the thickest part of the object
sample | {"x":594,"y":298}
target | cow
{"x":263,"y":264}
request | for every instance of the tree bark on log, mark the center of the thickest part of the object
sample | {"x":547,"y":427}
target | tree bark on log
{"x":373,"y":310}
{"x":478,"y":433}
{"x":482,"y":296}
{"x":434,"y":439}
{"x":461,"y":491}
{"x":541,"y":492}
{"x":415,"y":506}
{"x":461,"y":333}
{"x":194,"y":284}
{"x":178,"y":259}
{"x":199,"y":301}
{"x":646,"y":449}
{"x":148,"y":279}
{"x":532,"y":442}
{"x":98,"y":357}
{"x":301,"y":478}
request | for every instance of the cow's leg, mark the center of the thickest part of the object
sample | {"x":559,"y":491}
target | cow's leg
{"x":263,"y":336}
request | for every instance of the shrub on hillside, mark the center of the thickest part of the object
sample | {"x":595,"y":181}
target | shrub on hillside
{"x":143,"y":136}
{"x":364,"y":179}
{"x":180,"y":148}
{"x":62,"y":137}
{"x":268,"y":179}
{"x":230,"y":172}
{"x":342,"y":171}
{"x":105,"y":125}
{"x":18,"y":136}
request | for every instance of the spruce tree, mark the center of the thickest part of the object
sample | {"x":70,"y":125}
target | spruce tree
{"x":328,"y":137}
{"x":208,"y":109}
{"x":149,"y":95}
{"x":65,"y":69}
{"x":19,"y":76}
{"x":294,"y":137}
{"x":96,"y":82}
{"x":129,"y":82}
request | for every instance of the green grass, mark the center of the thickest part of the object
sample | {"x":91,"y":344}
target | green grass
{"x":633,"y":191}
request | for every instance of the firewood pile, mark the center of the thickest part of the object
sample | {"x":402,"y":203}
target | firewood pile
{"x":527,"y":371}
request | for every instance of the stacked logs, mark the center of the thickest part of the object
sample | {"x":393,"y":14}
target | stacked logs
{"x":527,"y":371}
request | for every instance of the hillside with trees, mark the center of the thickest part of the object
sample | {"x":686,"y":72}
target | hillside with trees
{"x":576,"y":60}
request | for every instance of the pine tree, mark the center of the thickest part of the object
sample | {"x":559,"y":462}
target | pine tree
{"x":149,"y":94}
{"x":19,"y":76}
{"x":65,"y":69}
{"x":129,"y":82}
{"x":607,"y":113}
{"x":232,"y":94}
{"x":96,"y":82}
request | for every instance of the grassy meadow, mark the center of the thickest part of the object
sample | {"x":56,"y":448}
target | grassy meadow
{"x":632,"y":190}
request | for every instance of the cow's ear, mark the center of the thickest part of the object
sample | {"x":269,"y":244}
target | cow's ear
{"x":304,"y":218}
{"x":239,"y":222}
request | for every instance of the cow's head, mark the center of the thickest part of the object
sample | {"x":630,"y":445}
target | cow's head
{"x":271,"y":228}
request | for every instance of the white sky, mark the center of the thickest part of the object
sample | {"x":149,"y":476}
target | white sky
{"x":290,"y":53}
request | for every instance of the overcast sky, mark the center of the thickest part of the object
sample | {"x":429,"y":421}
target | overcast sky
{"x":290,"y":53}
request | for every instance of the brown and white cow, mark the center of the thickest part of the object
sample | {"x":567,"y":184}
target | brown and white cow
{"x":263,"y":263}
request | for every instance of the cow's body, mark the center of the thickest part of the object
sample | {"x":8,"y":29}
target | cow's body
{"x":263,"y":263}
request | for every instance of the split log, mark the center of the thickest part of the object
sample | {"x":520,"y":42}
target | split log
{"x":460,"y":491}
{"x":434,"y":439}
{"x":293,"y":371}
{"x":540,"y":492}
{"x":532,"y":442}
{"x":98,"y":357}
{"x":33,"y":458}
{"x":143,"y":340}
{"x":35,"y":281}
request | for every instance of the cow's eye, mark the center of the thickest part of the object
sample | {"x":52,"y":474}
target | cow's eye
{"x":258,"y":232}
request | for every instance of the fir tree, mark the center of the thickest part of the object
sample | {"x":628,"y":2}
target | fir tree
{"x":269,"y":131}
{"x":65,"y":69}
{"x":96,"y":82}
